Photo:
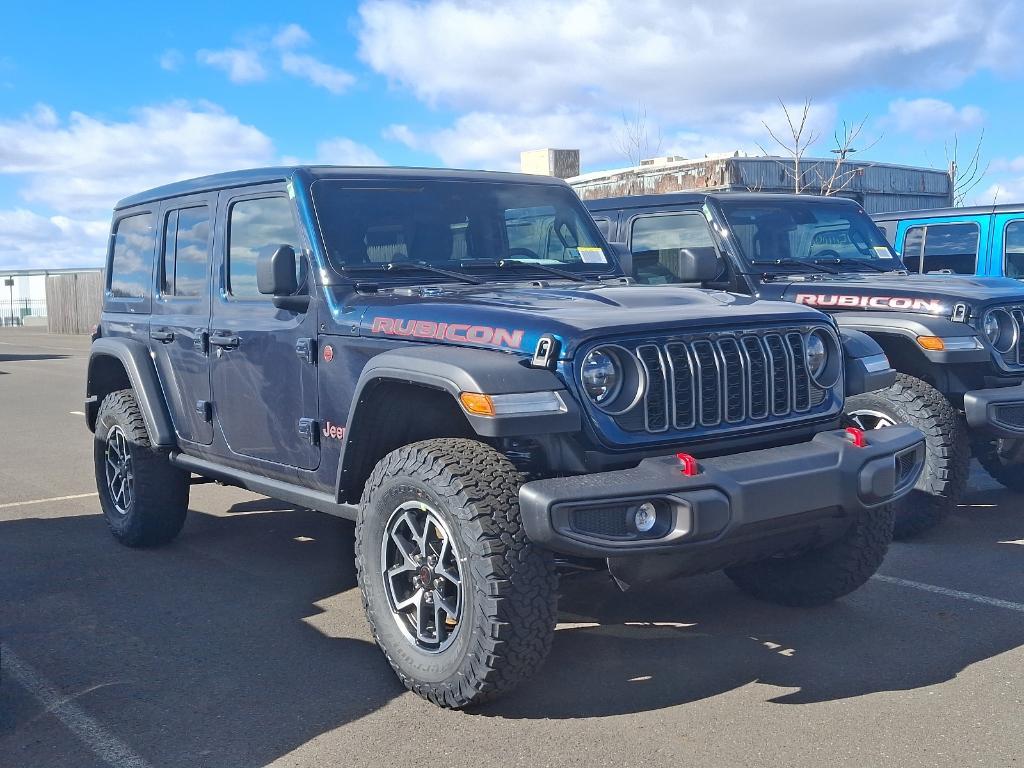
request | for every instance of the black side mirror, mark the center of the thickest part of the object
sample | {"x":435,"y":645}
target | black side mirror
{"x":275,"y":277}
{"x":698,"y":265}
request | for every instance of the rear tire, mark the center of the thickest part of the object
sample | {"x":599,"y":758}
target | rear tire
{"x":819,"y":576}
{"x":947,"y":450}
{"x":463,"y":528}
{"x":1010,"y":476}
{"x":144,"y":498}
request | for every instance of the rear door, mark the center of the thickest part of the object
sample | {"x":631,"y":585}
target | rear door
{"x":1008,"y":245}
{"x":263,"y":359}
{"x":180,"y":322}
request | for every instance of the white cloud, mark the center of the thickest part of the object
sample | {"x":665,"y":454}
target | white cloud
{"x":29,"y":240}
{"x":77,"y":168}
{"x":932,"y":117}
{"x":671,"y":54}
{"x":170,"y":60}
{"x":243,"y":65}
{"x":291,"y":36}
{"x":343,"y":151}
{"x":317,"y":72}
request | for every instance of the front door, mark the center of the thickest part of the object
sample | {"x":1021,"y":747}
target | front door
{"x":180,"y":321}
{"x":264,"y":380}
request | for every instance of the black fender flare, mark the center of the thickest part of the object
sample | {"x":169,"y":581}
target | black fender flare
{"x":455,"y":370}
{"x":138,"y":365}
{"x":864,"y":368}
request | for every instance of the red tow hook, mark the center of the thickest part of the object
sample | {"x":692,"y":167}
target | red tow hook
{"x":689,"y":463}
{"x":856,"y":436}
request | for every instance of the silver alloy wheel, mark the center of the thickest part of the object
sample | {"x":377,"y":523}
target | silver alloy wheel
{"x":422,"y":574}
{"x":867,"y":419}
{"x":119,"y":470}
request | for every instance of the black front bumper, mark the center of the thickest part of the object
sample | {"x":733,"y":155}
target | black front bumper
{"x":743,"y":497}
{"x":998,"y":412}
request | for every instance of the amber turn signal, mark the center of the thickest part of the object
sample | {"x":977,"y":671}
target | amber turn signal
{"x":934,"y":343}
{"x":474,"y":402}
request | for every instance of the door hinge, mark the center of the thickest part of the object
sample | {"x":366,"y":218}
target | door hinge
{"x":205,"y":410}
{"x":200,"y":342}
{"x":306,"y":349}
{"x":309,"y":429}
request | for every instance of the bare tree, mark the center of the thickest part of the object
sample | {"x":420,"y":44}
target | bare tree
{"x":634,"y":139}
{"x":964,"y":178}
{"x":840,"y":177}
{"x":801,"y":137}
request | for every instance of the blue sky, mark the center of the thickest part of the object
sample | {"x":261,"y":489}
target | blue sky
{"x":97,"y":102}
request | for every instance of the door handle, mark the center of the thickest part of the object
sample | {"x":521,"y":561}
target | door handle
{"x":225,"y":340}
{"x":162,"y":335}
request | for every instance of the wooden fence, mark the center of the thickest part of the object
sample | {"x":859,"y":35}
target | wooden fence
{"x":74,"y":301}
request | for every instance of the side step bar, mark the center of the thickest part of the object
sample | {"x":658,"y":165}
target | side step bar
{"x":294,"y":494}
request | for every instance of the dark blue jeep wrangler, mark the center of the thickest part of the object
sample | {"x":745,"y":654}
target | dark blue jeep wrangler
{"x":453,"y":360}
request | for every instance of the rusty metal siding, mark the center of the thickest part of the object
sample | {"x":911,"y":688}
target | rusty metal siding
{"x":880,"y":187}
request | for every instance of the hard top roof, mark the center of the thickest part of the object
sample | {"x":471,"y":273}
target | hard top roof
{"x":682,"y":198}
{"x":268,"y":175}
{"x":929,"y":213}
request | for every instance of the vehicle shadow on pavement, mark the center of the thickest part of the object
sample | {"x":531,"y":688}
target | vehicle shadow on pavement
{"x":211,"y":651}
{"x":17,"y":358}
{"x":617,"y":653}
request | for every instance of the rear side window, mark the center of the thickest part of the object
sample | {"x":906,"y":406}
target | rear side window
{"x":657,"y":242}
{"x":186,"y":252}
{"x":257,"y":227}
{"x":131,"y":263}
{"x":1013,"y":249}
{"x":952,"y":247}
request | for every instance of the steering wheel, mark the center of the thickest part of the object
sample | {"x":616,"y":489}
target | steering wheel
{"x":525,"y":252}
{"x":828,"y":254}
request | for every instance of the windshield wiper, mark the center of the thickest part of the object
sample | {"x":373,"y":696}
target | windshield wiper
{"x":812,"y":265}
{"x":516,"y":263}
{"x":860,"y":263}
{"x":406,"y":266}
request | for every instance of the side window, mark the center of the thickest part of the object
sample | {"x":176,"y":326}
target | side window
{"x":605,"y":225}
{"x":186,"y":252}
{"x":912,"y":243}
{"x":257,"y":227}
{"x":1013,"y":249}
{"x":131,"y":263}
{"x":888,"y":229}
{"x":657,"y":241}
{"x":951,"y":246}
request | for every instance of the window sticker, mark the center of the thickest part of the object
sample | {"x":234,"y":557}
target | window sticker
{"x":882,"y":252}
{"x":592,"y":255}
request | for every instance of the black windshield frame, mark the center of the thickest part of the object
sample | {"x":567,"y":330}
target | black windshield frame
{"x":351,"y":217}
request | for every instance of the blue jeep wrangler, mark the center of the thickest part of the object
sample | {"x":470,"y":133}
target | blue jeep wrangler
{"x":957,"y":342}
{"x":453,"y":361}
{"x":985,"y":240}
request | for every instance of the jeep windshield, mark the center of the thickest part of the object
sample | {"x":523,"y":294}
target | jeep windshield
{"x":808,"y":236}
{"x":436,"y":230}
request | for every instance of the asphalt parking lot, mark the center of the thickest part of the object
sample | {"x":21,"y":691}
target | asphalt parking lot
{"x":244,"y":642}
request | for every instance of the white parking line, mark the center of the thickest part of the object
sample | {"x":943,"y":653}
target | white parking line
{"x":104,"y":745}
{"x":10,"y":504}
{"x":992,"y":601}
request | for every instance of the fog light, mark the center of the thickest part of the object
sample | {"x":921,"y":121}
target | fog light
{"x":645,"y":517}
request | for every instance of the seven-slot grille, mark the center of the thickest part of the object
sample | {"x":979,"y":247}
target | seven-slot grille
{"x":722,"y":381}
{"x":1016,"y":355}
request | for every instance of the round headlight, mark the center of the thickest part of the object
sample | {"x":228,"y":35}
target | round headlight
{"x":1000,"y":329}
{"x":817,"y":354}
{"x":823,"y":358}
{"x":602,"y":376}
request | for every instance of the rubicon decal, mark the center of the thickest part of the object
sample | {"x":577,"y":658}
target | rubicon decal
{"x":456,"y":332}
{"x":869,"y":302}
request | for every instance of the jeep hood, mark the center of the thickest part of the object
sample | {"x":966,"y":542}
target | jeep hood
{"x":894,"y":292}
{"x":515,"y":316}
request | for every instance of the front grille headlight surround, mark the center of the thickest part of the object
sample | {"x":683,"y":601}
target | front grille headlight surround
{"x":1000,"y":329}
{"x":613,"y":398}
{"x":824,"y":358}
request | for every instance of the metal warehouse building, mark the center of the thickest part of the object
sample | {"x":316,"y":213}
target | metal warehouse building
{"x":878,"y":187}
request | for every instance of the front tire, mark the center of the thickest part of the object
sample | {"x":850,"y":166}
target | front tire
{"x":819,"y":576}
{"x":947,"y":450}
{"x":460,"y":601}
{"x":144,"y":498}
